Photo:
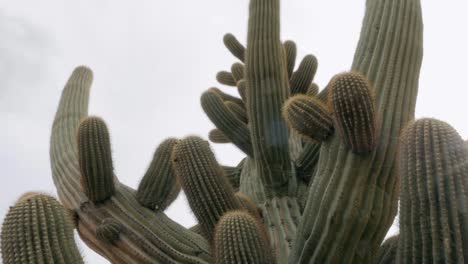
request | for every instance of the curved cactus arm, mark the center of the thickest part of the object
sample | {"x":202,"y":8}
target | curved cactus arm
{"x":146,"y":236}
{"x":353,"y":198}
{"x":268,"y":88}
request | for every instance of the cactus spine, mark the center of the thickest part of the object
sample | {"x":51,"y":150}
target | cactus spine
{"x":95,"y":160}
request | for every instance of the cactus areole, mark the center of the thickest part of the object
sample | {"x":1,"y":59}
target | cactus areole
{"x":320,"y":181}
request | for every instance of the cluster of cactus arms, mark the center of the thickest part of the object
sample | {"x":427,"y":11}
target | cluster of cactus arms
{"x":321,"y":181}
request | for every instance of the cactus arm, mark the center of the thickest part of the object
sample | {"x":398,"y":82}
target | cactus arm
{"x":434,"y":200}
{"x":268,"y":88}
{"x":37,"y":229}
{"x":353,"y":198}
{"x":146,"y":236}
{"x":226,"y":121}
{"x":241,"y":239}
{"x":290,"y":49}
{"x":208,"y":191}
{"x":302,"y":78}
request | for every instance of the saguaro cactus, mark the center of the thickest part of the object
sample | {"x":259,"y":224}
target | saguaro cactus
{"x":319,"y":182}
{"x":37,"y":229}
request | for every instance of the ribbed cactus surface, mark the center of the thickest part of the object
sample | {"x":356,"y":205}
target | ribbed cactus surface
{"x":240,"y":238}
{"x":37,"y":229}
{"x":95,"y":156}
{"x":434,"y":197}
{"x":320,"y":181}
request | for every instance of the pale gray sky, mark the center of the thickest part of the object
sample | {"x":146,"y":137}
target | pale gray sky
{"x":153,"y":59}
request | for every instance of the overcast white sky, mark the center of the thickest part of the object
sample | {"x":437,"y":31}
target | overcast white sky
{"x":153,"y":59}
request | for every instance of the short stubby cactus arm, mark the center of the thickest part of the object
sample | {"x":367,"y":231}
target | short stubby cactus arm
{"x":353,"y":198}
{"x":267,"y":89}
{"x":145,"y":236}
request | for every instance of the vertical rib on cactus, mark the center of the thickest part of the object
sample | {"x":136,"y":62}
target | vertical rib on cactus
{"x":95,"y":156}
{"x":208,"y":191}
{"x":268,"y":88}
{"x":37,"y":229}
{"x":159,"y":187}
{"x":241,"y":239}
{"x":434,"y":195}
{"x":148,"y":236}
{"x":353,"y":199}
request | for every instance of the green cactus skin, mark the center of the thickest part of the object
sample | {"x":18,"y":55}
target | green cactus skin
{"x":308,"y":117}
{"x":388,"y":251}
{"x":226,"y":78}
{"x":268,"y":88}
{"x":37,"y":229}
{"x":208,"y":191}
{"x":303,"y":76}
{"x":238,"y":71}
{"x":149,"y":236}
{"x":352,"y":103}
{"x":353,"y":198}
{"x":291,"y":53}
{"x":234,"y":46}
{"x":216,"y":136}
{"x":233,"y":174}
{"x":241,"y":239}
{"x":238,"y":111}
{"x":226,"y":121}
{"x":248,"y":204}
{"x":227,"y":97}
{"x":95,"y":156}
{"x":434,"y":196}
{"x":313,"y":90}
{"x":242,"y":88}
{"x":281,"y":216}
{"x":159,"y":187}
{"x":109,"y":231}
{"x":307,"y":161}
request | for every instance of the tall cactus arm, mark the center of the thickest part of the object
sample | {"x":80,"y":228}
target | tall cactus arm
{"x":145,"y":236}
{"x":267,"y":89}
{"x":353,"y":198}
